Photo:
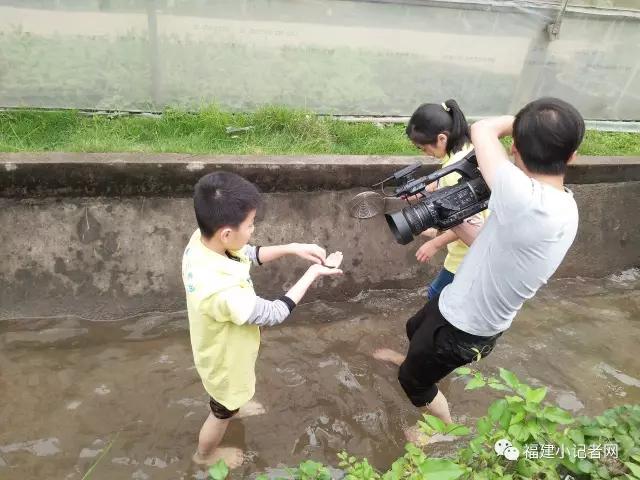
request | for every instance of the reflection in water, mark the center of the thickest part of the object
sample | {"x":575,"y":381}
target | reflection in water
{"x":73,"y":385}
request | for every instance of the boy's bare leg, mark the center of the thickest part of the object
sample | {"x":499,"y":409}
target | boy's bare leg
{"x":388,"y":355}
{"x":250,"y":409}
{"x":209,"y":440}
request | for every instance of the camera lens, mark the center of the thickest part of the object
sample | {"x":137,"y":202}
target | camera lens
{"x":399,"y":227}
{"x":418,"y":217}
{"x":409,"y":221}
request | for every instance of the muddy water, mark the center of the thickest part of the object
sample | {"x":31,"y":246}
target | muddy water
{"x":70,"y":386}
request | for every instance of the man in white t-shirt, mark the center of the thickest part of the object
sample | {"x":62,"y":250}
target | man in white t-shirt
{"x":533,"y":223}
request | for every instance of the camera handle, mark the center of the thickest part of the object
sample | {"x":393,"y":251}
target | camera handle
{"x":467,"y":167}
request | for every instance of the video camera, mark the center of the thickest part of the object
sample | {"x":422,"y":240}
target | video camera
{"x":442,"y":209}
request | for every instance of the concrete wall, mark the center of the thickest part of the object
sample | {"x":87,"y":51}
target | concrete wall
{"x":101,"y":236}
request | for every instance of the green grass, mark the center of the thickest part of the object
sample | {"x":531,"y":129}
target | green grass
{"x":276,"y":130}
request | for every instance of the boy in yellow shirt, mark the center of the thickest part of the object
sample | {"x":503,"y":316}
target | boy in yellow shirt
{"x":225,"y":314}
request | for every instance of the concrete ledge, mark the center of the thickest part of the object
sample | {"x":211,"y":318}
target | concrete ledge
{"x":160,"y":174}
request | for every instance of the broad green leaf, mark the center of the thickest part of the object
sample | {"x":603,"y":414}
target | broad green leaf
{"x":519,"y":432}
{"x":523,"y":390}
{"x":441,"y":469}
{"x":484,"y":425}
{"x":435,"y":423}
{"x":476,"y":444}
{"x":219,"y":470}
{"x":514,"y":399}
{"x":499,"y":386}
{"x":463,"y":371}
{"x":412,"y":449}
{"x":457,"y":430}
{"x":509,"y":378}
{"x":505,"y":419}
{"x":557,"y":415}
{"x":525,"y":467}
{"x":517,"y":417}
{"x":585,"y":466}
{"x":625,"y":442}
{"x":536,"y":395}
{"x":577,"y":437}
{"x":534,"y":428}
{"x":603,"y":473}
{"x":475,"y":383}
{"x":635,"y":469}
{"x":496,"y":409}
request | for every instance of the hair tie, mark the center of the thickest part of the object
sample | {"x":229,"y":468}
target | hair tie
{"x":447,"y":109}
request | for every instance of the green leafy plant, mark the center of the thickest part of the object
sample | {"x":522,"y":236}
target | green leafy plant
{"x":574,"y":447}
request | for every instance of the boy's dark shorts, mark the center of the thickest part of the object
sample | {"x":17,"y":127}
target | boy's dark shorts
{"x":436,"y":349}
{"x":220,"y":411}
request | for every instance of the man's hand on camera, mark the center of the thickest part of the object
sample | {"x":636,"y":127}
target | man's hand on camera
{"x":309,"y":251}
{"x":427,"y":251}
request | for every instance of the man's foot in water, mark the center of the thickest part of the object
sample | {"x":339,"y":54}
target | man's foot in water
{"x":421,"y":439}
{"x":388,"y":355}
{"x":233,"y":457}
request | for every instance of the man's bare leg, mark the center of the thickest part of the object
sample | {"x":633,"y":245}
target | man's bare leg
{"x":209,"y":440}
{"x":438,"y":408}
{"x":388,"y":355}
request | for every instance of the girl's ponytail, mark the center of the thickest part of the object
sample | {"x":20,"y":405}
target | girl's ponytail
{"x":459,"y":133}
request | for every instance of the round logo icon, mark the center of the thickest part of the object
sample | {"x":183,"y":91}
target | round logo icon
{"x":511,"y":453}
{"x":504,"y":447}
{"x":501,"y":446}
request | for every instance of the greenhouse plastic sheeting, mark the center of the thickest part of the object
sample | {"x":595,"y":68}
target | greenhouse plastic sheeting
{"x":340,"y":57}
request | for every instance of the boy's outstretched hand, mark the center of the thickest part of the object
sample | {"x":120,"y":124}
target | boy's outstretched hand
{"x":309,"y":251}
{"x":330,"y":266}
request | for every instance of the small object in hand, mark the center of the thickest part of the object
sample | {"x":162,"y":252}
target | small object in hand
{"x":333,"y":261}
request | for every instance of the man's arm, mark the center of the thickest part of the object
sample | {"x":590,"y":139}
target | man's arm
{"x":468,"y":230}
{"x":308,"y":251}
{"x":485,"y":136}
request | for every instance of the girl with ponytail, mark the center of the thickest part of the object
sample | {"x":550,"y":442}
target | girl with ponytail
{"x":441,"y":131}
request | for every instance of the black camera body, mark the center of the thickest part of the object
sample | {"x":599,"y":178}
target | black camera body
{"x":442,"y":209}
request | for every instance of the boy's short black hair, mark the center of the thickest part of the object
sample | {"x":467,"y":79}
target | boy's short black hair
{"x":223,"y":199}
{"x":546,"y":132}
